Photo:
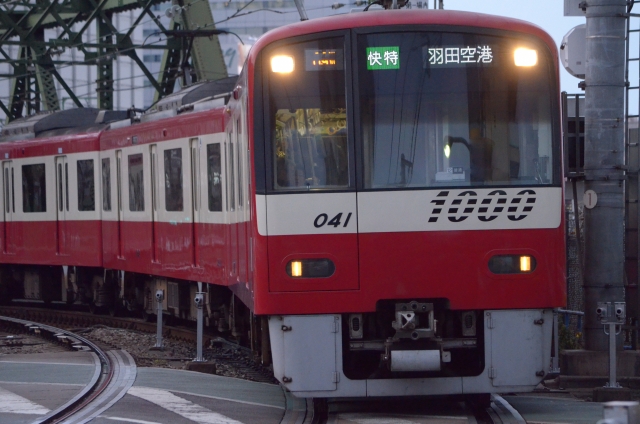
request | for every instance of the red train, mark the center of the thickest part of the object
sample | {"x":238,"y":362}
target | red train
{"x":376,"y":203}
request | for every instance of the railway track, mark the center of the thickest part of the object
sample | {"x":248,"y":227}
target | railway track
{"x":114,"y":373}
{"x":413,"y":410}
{"x":225,"y":351}
{"x":78,"y":319}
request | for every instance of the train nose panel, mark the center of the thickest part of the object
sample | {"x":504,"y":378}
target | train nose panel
{"x":311,"y":230}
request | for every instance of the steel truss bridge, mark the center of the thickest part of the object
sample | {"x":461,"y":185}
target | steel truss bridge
{"x":186,"y":54}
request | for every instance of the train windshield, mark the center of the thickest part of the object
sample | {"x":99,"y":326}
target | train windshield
{"x":308,"y":115}
{"x":455,"y":109}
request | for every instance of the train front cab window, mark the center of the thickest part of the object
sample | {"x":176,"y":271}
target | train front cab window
{"x":308,"y":115}
{"x":454,"y":109}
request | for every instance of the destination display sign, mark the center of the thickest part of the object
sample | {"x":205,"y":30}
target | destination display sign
{"x":457,"y":56}
{"x":320,"y":60}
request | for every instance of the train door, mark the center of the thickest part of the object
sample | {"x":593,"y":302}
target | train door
{"x":154,"y":202}
{"x":62,"y":202}
{"x":9,"y":207}
{"x":119,"y":199}
{"x":195,"y":197}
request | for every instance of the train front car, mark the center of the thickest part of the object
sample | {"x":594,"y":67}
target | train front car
{"x":409,"y":203}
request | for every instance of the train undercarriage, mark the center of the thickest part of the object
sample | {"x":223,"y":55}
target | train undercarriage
{"x":405,"y":347}
{"x":123,"y":293}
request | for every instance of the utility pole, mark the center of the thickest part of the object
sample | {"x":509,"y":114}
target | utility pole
{"x":604,"y":163}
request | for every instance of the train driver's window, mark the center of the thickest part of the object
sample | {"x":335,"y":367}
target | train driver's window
{"x":106,"y":184}
{"x":309,"y":116}
{"x":136,"y":183}
{"x":214,"y":177}
{"x":173,"y":180}
{"x":454,"y":109}
{"x":34,"y":193}
{"x":86,"y":186}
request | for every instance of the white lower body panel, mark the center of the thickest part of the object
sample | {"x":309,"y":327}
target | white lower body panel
{"x":307,"y":358}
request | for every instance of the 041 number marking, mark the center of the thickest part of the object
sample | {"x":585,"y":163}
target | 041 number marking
{"x":323,"y":219}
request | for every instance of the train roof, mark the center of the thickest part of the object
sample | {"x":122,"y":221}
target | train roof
{"x":195,"y":93}
{"x":64,"y":122}
{"x":200,"y":96}
{"x":379,"y":18}
{"x":51,"y":146}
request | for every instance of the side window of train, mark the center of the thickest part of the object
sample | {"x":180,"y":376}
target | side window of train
{"x":86,"y":186}
{"x":7,"y":204}
{"x":240,"y":156}
{"x":214,"y":177}
{"x":173,"y":180}
{"x":136,"y":183}
{"x":231,"y":189}
{"x":106,"y":184}
{"x":9,"y":196}
{"x":34,"y":190}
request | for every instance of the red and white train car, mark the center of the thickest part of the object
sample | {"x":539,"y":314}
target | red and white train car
{"x":376,"y":203}
{"x":409,"y":202}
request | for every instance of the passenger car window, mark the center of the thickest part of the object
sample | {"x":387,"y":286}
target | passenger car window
{"x":34,"y":193}
{"x":136,"y":183}
{"x":86,"y":186}
{"x":214,"y":177}
{"x":106,"y":184}
{"x":173,"y":180}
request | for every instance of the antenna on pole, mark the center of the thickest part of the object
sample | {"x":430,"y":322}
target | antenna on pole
{"x":301,"y":11}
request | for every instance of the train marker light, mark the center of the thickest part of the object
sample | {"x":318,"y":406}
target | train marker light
{"x":525,"y":57}
{"x":282,"y":64}
{"x":296,"y":269}
{"x":310,"y":268}
{"x":512,"y":264}
{"x":525,"y":263}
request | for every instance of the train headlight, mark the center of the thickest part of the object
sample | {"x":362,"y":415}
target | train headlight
{"x":311,"y":268}
{"x":525,"y":57}
{"x":282,"y":64}
{"x":512,"y":264}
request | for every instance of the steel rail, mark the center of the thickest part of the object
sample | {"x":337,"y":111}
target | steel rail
{"x":97,"y":385}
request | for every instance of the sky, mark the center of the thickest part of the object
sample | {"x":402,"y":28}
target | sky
{"x":547,"y":14}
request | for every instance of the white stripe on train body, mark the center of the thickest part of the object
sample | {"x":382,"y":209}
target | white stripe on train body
{"x":405,"y":211}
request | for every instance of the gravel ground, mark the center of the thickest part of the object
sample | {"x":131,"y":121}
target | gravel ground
{"x":11,"y":344}
{"x":230,"y":360}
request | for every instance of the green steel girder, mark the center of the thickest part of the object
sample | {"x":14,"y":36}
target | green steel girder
{"x":72,"y":11}
{"x":208,"y":59}
{"x":105,"y":66}
{"x":170,"y":65}
{"x":22,"y":23}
